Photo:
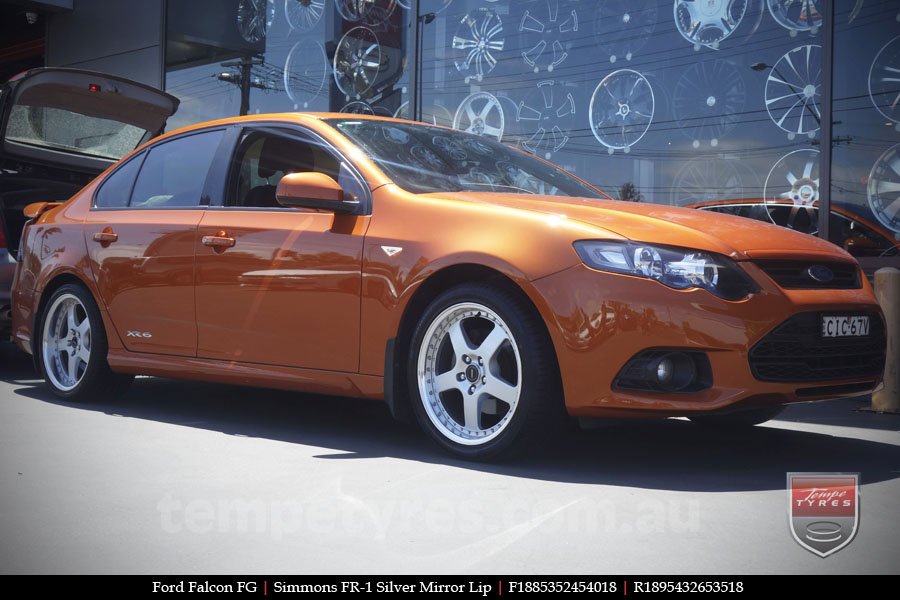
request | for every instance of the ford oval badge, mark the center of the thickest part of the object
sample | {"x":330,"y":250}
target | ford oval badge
{"x":820,"y":273}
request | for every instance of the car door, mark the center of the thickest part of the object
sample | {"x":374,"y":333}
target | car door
{"x":275,"y":285}
{"x":141,"y":234}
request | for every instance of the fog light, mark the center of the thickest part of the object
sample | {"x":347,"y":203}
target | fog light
{"x":665,"y":371}
{"x":674,"y":371}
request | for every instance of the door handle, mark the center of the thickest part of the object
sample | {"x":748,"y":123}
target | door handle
{"x":219,"y":241}
{"x":106,"y":237}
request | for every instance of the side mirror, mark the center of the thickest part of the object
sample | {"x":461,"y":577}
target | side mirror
{"x":312,"y":190}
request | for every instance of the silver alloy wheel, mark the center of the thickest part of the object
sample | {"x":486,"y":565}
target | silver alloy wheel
{"x":66,"y":342}
{"x":469,"y":374}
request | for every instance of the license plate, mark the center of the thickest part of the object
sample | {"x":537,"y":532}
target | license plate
{"x":849,"y":326}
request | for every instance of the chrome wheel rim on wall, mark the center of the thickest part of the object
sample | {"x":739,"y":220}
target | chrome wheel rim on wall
{"x":469,"y":374}
{"x":66,"y":342}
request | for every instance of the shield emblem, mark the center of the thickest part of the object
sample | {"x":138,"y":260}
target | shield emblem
{"x":823,"y":509}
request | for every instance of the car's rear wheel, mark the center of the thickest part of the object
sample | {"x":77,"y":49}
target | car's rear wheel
{"x":73,"y":348}
{"x":743,"y":418}
{"x":484,"y":379}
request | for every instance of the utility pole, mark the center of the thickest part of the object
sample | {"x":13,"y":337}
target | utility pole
{"x":243,"y":79}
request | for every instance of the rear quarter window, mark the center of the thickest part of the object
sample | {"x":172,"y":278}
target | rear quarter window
{"x":116,"y":190}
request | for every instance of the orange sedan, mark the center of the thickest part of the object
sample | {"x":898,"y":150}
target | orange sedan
{"x":476,"y":289}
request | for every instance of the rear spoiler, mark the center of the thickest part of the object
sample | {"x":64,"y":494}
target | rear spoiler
{"x":36,"y":209}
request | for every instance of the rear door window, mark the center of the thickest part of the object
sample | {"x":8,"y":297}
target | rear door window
{"x":174,"y":173}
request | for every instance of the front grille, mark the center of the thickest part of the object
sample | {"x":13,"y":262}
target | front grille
{"x":796,"y":351}
{"x":795,"y":274}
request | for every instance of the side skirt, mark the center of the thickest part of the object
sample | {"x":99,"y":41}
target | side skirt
{"x":312,"y":381}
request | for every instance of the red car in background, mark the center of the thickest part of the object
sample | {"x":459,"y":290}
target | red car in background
{"x":858,"y":236}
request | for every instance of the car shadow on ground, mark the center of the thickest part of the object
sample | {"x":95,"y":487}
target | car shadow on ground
{"x":668,"y":455}
{"x":855,"y":413}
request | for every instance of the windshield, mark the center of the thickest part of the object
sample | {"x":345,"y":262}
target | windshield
{"x":423,"y":159}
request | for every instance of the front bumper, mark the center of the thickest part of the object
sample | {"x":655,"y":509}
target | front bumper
{"x":598,"y":321}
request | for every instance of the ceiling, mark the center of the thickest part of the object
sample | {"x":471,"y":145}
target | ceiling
{"x":21,"y":44}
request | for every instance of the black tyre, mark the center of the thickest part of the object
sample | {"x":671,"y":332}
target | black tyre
{"x":71,"y":348}
{"x":483,"y":377}
{"x":743,"y":418}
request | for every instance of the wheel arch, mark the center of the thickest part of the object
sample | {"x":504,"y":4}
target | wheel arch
{"x":397,"y":348}
{"x":56,"y":281}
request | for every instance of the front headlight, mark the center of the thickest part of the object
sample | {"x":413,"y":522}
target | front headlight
{"x":678,"y":268}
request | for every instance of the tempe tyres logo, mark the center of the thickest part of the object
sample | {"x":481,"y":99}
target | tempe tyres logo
{"x":823,"y":510}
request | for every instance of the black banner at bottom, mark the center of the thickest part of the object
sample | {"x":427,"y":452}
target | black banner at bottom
{"x":469,"y":586}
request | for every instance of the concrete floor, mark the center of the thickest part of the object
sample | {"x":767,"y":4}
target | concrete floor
{"x":193,"y":478}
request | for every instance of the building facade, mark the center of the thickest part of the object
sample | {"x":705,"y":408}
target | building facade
{"x":769,"y":109}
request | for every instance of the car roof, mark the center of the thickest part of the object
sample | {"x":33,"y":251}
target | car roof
{"x":293,"y":117}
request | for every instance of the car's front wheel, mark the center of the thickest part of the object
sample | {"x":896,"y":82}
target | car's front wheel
{"x":484,"y":379}
{"x":73,"y":348}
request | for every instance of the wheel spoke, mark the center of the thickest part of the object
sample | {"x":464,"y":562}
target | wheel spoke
{"x":71,"y":318}
{"x":808,"y":168}
{"x":72,"y":368}
{"x":459,"y":340}
{"x":492,"y":343}
{"x":472,"y":412}
{"x":501,"y":390}
{"x":446,"y":381}
{"x":84,"y":327}
{"x":83,"y":354}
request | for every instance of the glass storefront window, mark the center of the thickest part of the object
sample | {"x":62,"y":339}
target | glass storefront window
{"x":712,"y":104}
{"x":688,"y":103}
{"x":865,"y":168}
{"x":228,"y":56}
